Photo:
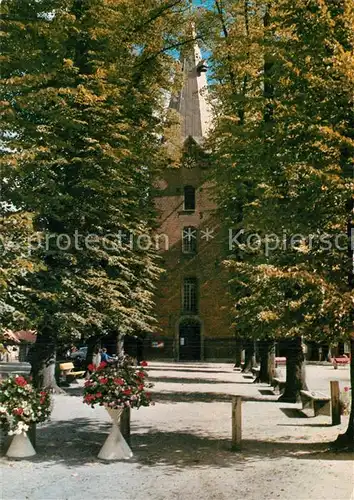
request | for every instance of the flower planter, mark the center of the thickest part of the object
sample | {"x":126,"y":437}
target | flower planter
{"x":118,"y":387}
{"x":115,"y":446}
{"x":6,"y":440}
{"x":21,"y":447}
{"x":22,"y":407}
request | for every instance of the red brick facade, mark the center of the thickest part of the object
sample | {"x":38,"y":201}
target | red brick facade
{"x":212,"y":314}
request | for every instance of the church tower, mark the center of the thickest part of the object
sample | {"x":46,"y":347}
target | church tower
{"x":192,"y":102}
{"x":192,"y":304}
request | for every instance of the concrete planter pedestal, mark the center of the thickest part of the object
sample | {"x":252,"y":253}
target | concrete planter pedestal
{"x":21,"y":447}
{"x":115,"y":446}
{"x":6,"y":440}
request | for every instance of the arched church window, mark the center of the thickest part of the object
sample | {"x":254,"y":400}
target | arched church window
{"x":189,"y":198}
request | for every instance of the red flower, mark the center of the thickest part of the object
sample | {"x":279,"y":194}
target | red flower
{"x":21,"y":381}
{"x":42,"y":400}
{"x":102,"y":365}
{"x":98,"y":394}
{"x":91,"y":367}
{"x":88,"y":383}
{"x":127,"y":392}
{"x":143,"y":363}
{"x":141,"y":374}
{"x":103,"y":380}
{"x":18,"y":411}
{"x":140,"y":387}
{"x":148,"y":395}
{"x":43,"y":393}
{"x":119,"y":381}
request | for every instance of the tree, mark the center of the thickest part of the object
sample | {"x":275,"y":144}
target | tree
{"x":287,"y":173}
{"x":15,"y":232}
{"x":82,"y":88}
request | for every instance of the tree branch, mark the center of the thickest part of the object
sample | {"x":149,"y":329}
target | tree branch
{"x":155,"y":16}
{"x":165,"y":49}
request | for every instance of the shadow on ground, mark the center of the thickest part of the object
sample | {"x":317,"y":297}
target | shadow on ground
{"x":78,"y":441}
{"x":175,"y":397}
{"x":184,"y":380}
{"x":74,"y":390}
{"x":305,"y":425}
{"x":266,"y":392}
{"x":203,"y":397}
{"x":193,"y":366}
{"x":293,"y":412}
{"x":183,"y":370}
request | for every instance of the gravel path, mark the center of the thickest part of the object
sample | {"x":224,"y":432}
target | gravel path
{"x":182,"y":445}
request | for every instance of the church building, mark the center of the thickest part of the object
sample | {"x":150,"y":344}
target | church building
{"x":192,"y":302}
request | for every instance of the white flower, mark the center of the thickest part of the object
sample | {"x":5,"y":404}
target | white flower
{"x":21,"y":427}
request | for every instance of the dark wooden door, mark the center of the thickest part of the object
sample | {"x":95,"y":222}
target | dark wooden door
{"x":189,"y":342}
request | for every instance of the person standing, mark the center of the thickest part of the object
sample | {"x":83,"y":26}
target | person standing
{"x":96,"y":357}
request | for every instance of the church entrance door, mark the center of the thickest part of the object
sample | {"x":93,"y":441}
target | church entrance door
{"x":189,"y":341}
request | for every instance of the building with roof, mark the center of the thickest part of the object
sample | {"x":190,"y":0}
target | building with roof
{"x":16,"y":344}
{"x":192,"y":302}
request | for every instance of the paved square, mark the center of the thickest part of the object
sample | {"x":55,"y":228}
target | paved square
{"x":182,"y":445}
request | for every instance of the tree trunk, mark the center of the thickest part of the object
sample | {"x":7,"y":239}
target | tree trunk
{"x":271,"y":362}
{"x":92,"y":343}
{"x":125,"y":424}
{"x":267,"y":358}
{"x":345,"y":441}
{"x":120,"y":346}
{"x":238,"y":350}
{"x":249,"y":356}
{"x":295,"y":371}
{"x":43,"y":359}
{"x":140,"y":348}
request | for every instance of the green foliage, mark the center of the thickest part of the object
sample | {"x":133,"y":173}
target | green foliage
{"x":82,"y":91}
{"x":283,"y":149}
{"x":15,"y":233}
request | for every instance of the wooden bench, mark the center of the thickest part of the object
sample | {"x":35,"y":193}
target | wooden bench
{"x":340,"y":361}
{"x":317,"y":402}
{"x":67,"y":370}
{"x":278,"y":385}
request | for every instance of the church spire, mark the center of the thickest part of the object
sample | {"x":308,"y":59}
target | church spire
{"x":192,"y":102}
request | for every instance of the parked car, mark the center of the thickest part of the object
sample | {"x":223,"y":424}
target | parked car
{"x":79,"y":355}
